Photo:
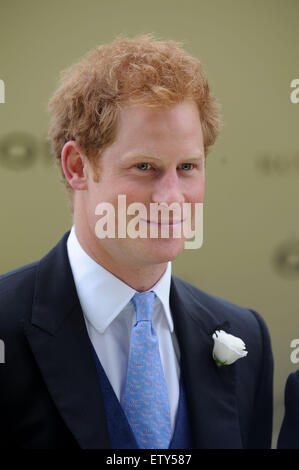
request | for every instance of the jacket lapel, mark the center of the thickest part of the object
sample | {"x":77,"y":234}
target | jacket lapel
{"x":61,"y":346}
{"x":210,"y":390}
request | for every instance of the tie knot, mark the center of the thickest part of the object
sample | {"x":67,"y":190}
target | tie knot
{"x":144,"y":303}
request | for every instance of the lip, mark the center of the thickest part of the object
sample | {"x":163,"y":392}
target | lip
{"x":163,"y":223}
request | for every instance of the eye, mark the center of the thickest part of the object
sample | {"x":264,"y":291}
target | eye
{"x":186,"y":166}
{"x":143,"y":166}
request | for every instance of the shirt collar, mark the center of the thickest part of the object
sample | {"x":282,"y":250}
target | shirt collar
{"x":102,"y":295}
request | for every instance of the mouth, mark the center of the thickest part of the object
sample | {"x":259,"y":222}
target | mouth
{"x":161,"y":224}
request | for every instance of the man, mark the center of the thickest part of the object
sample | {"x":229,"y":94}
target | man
{"x":289,"y":433}
{"x":104,"y":347}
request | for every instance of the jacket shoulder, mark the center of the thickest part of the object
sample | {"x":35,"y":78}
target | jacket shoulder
{"x":241,"y":318}
{"x":12,"y":278}
{"x":16,"y":294}
{"x":292,"y":385}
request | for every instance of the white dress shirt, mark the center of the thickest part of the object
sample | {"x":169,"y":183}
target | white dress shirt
{"x":110,"y":316}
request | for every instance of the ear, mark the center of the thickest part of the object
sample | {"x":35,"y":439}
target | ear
{"x":74,"y":164}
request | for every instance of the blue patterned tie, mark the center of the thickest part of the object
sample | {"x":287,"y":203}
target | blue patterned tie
{"x":145,"y":400}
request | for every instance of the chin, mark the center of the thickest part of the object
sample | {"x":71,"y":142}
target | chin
{"x":163,"y":250}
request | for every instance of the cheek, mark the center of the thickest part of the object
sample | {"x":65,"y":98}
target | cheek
{"x":196,"y":191}
{"x":136,"y":192}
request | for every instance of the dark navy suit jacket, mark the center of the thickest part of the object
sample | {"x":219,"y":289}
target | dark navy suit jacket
{"x":289,"y":434}
{"x":50,"y":395}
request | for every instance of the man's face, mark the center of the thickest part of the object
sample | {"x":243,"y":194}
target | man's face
{"x":158,"y":156}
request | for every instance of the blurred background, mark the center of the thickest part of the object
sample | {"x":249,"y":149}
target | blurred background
{"x":249,"y":50}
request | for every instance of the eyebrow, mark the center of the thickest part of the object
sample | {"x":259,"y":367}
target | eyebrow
{"x":147,"y":155}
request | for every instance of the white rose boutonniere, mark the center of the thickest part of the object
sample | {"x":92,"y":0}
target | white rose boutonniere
{"x":227,"y":348}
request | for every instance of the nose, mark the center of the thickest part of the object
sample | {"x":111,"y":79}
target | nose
{"x":168,"y":189}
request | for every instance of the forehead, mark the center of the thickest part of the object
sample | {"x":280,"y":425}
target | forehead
{"x":170,"y":133}
{"x":181,"y":116}
{"x":175,"y":128}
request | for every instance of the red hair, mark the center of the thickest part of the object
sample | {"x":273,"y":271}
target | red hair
{"x":142,"y":71}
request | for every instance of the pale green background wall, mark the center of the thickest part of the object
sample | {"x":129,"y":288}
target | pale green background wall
{"x":249,"y":49}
